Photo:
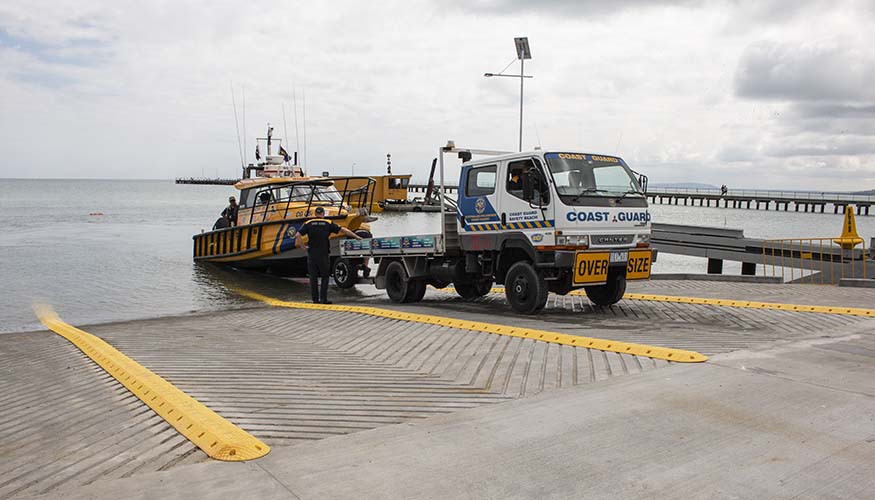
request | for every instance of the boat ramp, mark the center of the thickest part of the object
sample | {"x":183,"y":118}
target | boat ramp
{"x":685,"y":388}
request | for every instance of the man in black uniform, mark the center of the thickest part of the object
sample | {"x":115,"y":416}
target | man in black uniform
{"x":318,"y":262}
{"x":230,"y":212}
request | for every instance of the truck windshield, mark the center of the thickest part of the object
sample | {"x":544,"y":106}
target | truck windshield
{"x":578,"y":175}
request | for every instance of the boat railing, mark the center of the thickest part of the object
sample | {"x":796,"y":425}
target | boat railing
{"x":299,"y":199}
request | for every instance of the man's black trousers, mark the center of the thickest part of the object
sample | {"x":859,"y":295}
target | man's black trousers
{"x":318,"y":266}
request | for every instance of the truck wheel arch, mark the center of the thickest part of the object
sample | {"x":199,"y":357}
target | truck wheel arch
{"x":514,"y":249}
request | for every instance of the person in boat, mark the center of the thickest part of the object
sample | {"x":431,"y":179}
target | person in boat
{"x":230,"y":212}
{"x":319,"y":230}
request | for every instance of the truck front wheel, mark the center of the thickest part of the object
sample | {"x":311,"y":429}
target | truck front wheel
{"x":526,"y":288}
{"x":608,"y":294}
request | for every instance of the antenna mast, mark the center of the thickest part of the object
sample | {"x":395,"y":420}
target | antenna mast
{"x":285,"y":130}
{"x":237,"y":125}
{"x":243,"y":89}
{"x":297,"y":141}
{"x":304,"y":118}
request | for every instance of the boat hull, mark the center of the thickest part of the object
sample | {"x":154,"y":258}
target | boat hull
{"x":268,"y":246}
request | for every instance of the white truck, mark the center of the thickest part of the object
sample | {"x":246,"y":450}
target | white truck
{"x":536,"y":221}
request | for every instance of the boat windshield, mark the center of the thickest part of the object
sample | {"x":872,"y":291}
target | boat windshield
{"x":303,"y":193}
{"x":579,"y":175}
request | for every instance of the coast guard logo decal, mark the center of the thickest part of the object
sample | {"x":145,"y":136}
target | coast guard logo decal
{"x":480,"y":205}
{"x":291,"y":232}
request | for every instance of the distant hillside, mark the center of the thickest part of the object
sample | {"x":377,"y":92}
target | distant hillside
{"x":682,"y":185}
{"x":870,"y":192}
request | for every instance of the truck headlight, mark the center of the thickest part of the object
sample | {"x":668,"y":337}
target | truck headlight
{"x":573,"y":240}
{"x":642,"y":239}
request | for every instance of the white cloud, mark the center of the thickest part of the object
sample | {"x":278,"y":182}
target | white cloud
{"x":134,"y":90}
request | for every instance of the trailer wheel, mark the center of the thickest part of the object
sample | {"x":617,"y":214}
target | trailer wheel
{"x":526,"y":288}
{"x":345,"y":273}
{"x":473,"y":289}
{"x":608,"y":294}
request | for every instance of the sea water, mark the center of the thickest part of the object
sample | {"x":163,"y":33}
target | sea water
{"x":103,"y":250}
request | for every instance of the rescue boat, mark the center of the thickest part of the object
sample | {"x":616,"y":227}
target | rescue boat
{"x":272,"y":208}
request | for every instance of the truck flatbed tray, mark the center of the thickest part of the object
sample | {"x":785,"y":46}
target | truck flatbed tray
{"x":420,"y":244}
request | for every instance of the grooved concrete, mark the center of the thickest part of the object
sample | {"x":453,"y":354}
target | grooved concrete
{"x":786,"y":410}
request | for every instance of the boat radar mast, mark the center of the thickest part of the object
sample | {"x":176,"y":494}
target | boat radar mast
{"x":281,"y":164}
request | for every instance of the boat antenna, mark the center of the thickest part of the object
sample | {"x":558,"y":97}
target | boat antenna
{"x":297,"y":140}
{"x":304,"y":119}
{"x":285,"y":130}
{"x":243,"y":90}
{"x":237,"y":125}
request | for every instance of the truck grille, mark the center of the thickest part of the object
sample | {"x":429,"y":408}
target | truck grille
{"x":607,"y":240}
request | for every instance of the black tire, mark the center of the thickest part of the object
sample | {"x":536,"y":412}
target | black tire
{"x":525,"y":288}
{"x":473,"y":289}
{"x":396,"y":282}
{"x":417,"y":288}
{"x":364,"y":233}
{"x":608,"y":294}
{"x":345,"y":273}
{"x":401,"y":287}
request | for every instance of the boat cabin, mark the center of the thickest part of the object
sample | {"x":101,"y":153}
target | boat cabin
{"x":271,"y":199}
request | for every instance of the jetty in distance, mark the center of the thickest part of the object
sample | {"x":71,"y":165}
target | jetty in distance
{"x":804,"y":201}
{"x":207,"y":181}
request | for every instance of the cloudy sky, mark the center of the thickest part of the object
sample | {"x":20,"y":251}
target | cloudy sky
{"x":758,"y":94}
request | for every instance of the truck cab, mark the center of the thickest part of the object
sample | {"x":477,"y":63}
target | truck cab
{"x":579,"y":220}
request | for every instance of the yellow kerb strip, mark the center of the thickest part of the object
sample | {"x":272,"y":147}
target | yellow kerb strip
{"x":668,"y":354}
{"x":219,"y":438}
{"x":851,"y":311}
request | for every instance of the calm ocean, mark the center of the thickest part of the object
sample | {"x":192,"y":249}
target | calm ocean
{"x":134,"y":261}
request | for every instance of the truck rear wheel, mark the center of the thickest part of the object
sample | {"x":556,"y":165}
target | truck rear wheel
{"x":526,"y":289}
{"x":417,"y":289}
{"x":345,"y":273}
{"x":608,"y":294}
{"x":401,"y":287}
{"x":473,"y":289}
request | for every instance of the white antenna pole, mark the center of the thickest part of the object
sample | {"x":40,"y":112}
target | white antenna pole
{"x":297,"y":140}
{"x":243,"y":89}
{"x":285,"y":130}
{"x":237,"y":125}
{"x":304,"y":118}
{"x":537,"y":133}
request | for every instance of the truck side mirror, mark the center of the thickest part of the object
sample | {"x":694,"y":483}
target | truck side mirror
{"x":528,"y":185}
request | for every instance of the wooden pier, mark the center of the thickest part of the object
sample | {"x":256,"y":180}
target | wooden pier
{"x":800,"y":201}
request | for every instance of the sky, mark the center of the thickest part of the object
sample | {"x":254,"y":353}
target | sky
{"x":769,"y":94}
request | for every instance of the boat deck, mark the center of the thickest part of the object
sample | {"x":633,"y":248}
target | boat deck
{"x":295,"y":377}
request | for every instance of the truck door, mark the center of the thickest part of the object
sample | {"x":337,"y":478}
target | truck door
{"x":477,"y":201}
{"x":517,"y":213}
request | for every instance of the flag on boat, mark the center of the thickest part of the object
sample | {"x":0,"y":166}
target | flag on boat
{"x":285,"y":154}
{"x":257,"y":153}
